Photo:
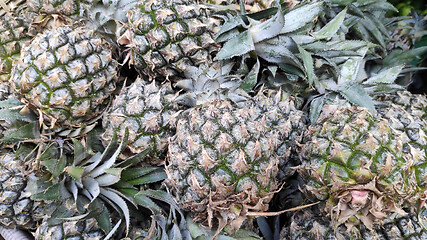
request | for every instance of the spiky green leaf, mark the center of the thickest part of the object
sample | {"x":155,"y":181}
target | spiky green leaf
{"x":237,"y":46}
{"x":155,"y":176}
{"x":308,"y":66}
{"x":55,"y":166}
{"x":132,"y":173}
{"x":79,"y":152}
{"x":331,"y":27}
{"x":50,"y":194}
{"x":229,"y":29}
{"x":104,"y":220}
{"x":269,"y":28}
{"x":350,"y":69}
{"x":300,"y":16}
{"x":316,"y":106}
{"x":117,"y":200}
{"x":398,"y":57}
{"x":75,"y":172}
{"x":251,"y":78}
{"x":134,"y":159}
{"x":354,"y":93}
{"x":387,"y":75}
{"x":26,"y":132}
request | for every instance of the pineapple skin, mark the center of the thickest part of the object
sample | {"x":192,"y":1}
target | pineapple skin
{"x":313,"y":224}
{"x":223,"y":160}
{"x":356,"y":164}
{"x":148,"y":111}
{"x":13,"y":37}
{"x":165,"y":37}
{"x":68,"y":74}
{"x":77,"y":230}
{"x":17,"y":210}
{"x":407,"y":114}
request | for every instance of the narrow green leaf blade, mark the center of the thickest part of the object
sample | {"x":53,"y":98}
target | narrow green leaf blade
{"x":251,"y":78}
{"x":308,"y":65}
{"x":355,"y":94}
{"x":269,"y":28}
{"x":316,"y":106}
{"x":299,"y":17}
{"x":387,"y":75}
{"x":331,"y":27}
{"x":237,"y":46}
{"x":27,"y":132}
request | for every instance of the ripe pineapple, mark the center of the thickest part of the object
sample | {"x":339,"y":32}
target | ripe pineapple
{"x":79,"y":229}
{"x":13,"y":37}
{"x":357,"y":164}
{"x":68,"y":228}
{"x":223,"y":160}
{"x":8,"y":6}
{"x":148,"y":111}
{"x":68,"y":74}
{"x":165,"y":37}
{"x":17,"y":210}
{"x":313,"y":224}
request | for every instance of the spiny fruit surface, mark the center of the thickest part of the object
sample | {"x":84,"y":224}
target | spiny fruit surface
{"x":63,"y":7}
{"x":223,"y":160}
{"x":67,"y":73}
{"x":17,"y":210}
{"x":314,"y":224}
{"x":406,"y":113}
{"x":356,"y":162}
{"x":87,"y":229}
{"x":149,"y":113}
{"x":13,"y":37}
{"x":164,"y":37}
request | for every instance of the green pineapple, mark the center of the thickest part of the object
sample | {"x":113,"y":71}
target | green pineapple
{"x":314,"y":224}
{"x":17,"y":210}
{"x":165,"y":37}
{"x":14,"y":36}
{"x":148,"y":111}
{"x":223,"y":160}
{"x":67,"y":74}
{"x":357,"y":164}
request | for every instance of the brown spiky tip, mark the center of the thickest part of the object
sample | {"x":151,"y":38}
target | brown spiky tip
{"x":365,"y":204}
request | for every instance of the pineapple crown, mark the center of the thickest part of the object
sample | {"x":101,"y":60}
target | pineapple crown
{"x":203,"y":85}
{"x":319,"y":49}
{"x":88,"y":180}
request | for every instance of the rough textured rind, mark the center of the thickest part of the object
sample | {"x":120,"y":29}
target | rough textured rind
{"x":82,"y":230}
{"x":67,"y":73}
{"x":164,"y":37}
{"x":223,"y":160}
{"x":13,"y":37}
{"x":356,"y":162}
{"x":17,"y":210}
{"x":148,"y":111}
{"x":314,"y":224}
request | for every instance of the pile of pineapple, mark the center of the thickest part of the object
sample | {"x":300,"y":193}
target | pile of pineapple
{"x":184,"y":119}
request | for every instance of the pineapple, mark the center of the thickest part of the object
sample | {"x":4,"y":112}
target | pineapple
{"x":164,"y":37}
{"x":357,"y":164}
{"x":17,"y":209}
{"x":314,"y":224}
{"x":69,"y":228}
{"x":66,"y":74}
{"x":80,"y":229}
{"x":14,"y":36}
{"x":8,"y":6}
{"x":223,"y":159}
{"x":148,"y":111}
